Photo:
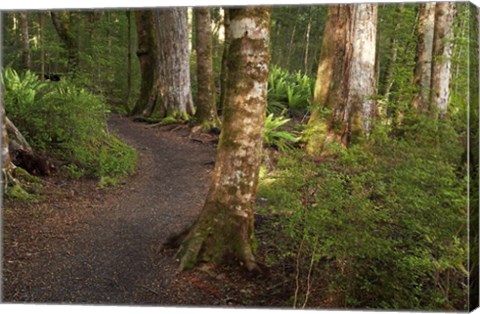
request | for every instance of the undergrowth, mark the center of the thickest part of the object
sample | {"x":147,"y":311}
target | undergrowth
{"x":68,"y":123}
{"x":382,"y":225}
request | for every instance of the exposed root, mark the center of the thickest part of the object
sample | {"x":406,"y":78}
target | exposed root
{"x":175,"y":240}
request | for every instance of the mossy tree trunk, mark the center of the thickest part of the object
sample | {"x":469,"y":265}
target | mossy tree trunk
{"x":343,"y":111}
{"x":174,"y":64}
{"x":224,"y":228}
{"x":146,"y":53}
{"x":442,"y":55}
{"x":61,"y":22}
{"x":423,"y":65}
{"x":206,"y":112}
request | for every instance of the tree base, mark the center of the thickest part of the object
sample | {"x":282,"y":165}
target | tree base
{"x":199,"y":246}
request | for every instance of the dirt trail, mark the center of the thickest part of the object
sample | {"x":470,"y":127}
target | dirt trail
{"x":104,"y":246}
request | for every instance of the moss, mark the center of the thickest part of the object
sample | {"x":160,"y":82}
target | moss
{"x":23,"y":175}
{"x":168,"y":120}
{"x":17,"y":192}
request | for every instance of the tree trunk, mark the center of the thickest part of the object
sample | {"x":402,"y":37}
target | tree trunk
{"x":224,"y":70}
{"x":174,"y":63}
{"x":442,"y":54}
{"x":224,"y":228}
{"x":423,"y":66}
{"x":41,"y":23}
{"x":129,"y":58}
{"x":206,"y":113}
{"x":27,"y":59}
{"x":389,"y":77}
{"x":61,"y":22}
{"x":307,"y":41}
{"x":345,"y":80}
{"x":146,"y":53}
{"x":7,"y":165}
{"x":292,"y":37}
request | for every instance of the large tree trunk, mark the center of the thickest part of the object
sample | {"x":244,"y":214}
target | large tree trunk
{"x":423,"y":66}
{"x":147,"y":54}
{"x":27,"y":60}
{"x":345,"y":80}
{"x":206,"y":113}
{"x":442,"y":55}
{"x":174,"y":63}
{"x":224,"y":228}
{"x":61,"y":22}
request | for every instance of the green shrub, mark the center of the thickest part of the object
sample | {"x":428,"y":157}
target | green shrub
{"x":67,"y":122}
{"x":384,"y":223}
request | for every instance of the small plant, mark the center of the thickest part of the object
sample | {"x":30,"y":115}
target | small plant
{"x":272,"y":136}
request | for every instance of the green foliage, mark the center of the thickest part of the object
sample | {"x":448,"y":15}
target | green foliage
{"x":272,"y":136}
{"x":384,"y":223}
{"x":288,"y":91}
{"x":68,"y":122}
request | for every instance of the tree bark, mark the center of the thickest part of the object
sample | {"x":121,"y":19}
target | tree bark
{"x":7,"y":165}
{"x":442,"y":54}
{"x":206,"y":112}
{"x":147,"y":56}
{"x":343,"y":111}
{"x":423,"y":66}
{"x":27,"y":59}
{"x":224,"y":228}
{"x":174,"y":63}
{"x":61,"y":22}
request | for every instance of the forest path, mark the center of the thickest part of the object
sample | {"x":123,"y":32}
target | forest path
{"x":107,"y":249}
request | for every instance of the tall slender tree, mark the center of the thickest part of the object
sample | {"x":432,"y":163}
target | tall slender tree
{"x":173,"y":62}
{"x":129,"y":57}
{"x":27,"y":59}
{"x":206,"y":112}
{"x":224,"y":70}
{"x":147,"y":56}
{"x":225,"y":225}
{"x":346,"y":78}
{"x":423,"y":65}
{"x":442,"y":55}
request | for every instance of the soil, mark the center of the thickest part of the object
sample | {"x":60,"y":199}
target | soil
{"x":89,"y":245}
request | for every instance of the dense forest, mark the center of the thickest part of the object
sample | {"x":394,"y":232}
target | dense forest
{"x":290,"y":156}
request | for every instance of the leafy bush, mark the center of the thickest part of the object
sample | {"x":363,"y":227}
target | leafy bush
{"x":384,"y":224}
{"x":68,"y":122}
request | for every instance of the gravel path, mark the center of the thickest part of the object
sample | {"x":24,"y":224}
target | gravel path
{"x":107,"y":248}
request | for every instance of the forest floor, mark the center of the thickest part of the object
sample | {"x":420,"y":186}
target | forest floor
{"x":86,"y":245}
